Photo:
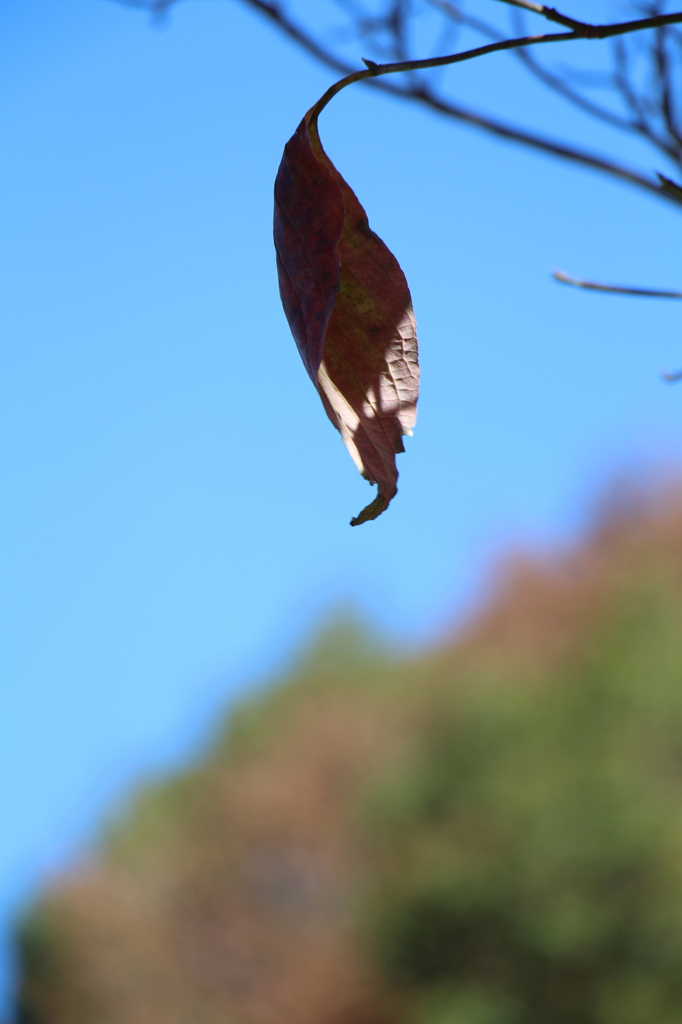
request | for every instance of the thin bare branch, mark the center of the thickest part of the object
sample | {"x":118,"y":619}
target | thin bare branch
{"x":562,"y":88}
{"x":547,"y":12}
{"x":426,"y":95}
{"x":274,"y":13}
{"x":627,"y":92}
{"x":588,"y":31}
{"x":539,"y":142}
{"x":650,"y":293}
{"x":584,"y":32}
{"x":665,"y":89}
{"x":553,"y":81}
{"x":397,"y":22}
{"x":671,"y":188}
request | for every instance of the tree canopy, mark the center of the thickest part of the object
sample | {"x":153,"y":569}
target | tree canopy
{"x":485,"y":833}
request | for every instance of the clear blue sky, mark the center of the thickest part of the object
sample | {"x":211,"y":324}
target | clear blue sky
{"x":176,"y":504}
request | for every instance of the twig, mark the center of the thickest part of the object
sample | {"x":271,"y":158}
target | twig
{"x":670,"y":188}
{"x":583,"y":32}
{"x":278,"y":16}
{"x":547,"y":12}
{"x":628,"y":95}
{"x":666,"y":92}
{"x":562,"y":88}
{"x":540,"y":142}
{"x":588,"y":31}
{"x":547,"y":77}
{"x":653,"y":293}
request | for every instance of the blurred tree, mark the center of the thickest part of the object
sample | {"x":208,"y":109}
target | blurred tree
{"x":488,"y":833}
{"x":632,"y":84}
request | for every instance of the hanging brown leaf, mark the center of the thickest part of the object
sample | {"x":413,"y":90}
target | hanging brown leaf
{"x":349,"y":309}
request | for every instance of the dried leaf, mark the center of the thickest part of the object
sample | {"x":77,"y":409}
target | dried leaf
{"x":349,"y":309}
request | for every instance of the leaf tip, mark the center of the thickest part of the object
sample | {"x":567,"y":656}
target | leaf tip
{"x":374,"y":509}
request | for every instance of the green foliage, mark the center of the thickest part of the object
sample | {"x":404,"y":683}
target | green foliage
{"x":489,"y":833}
{"x":528,"y":855}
